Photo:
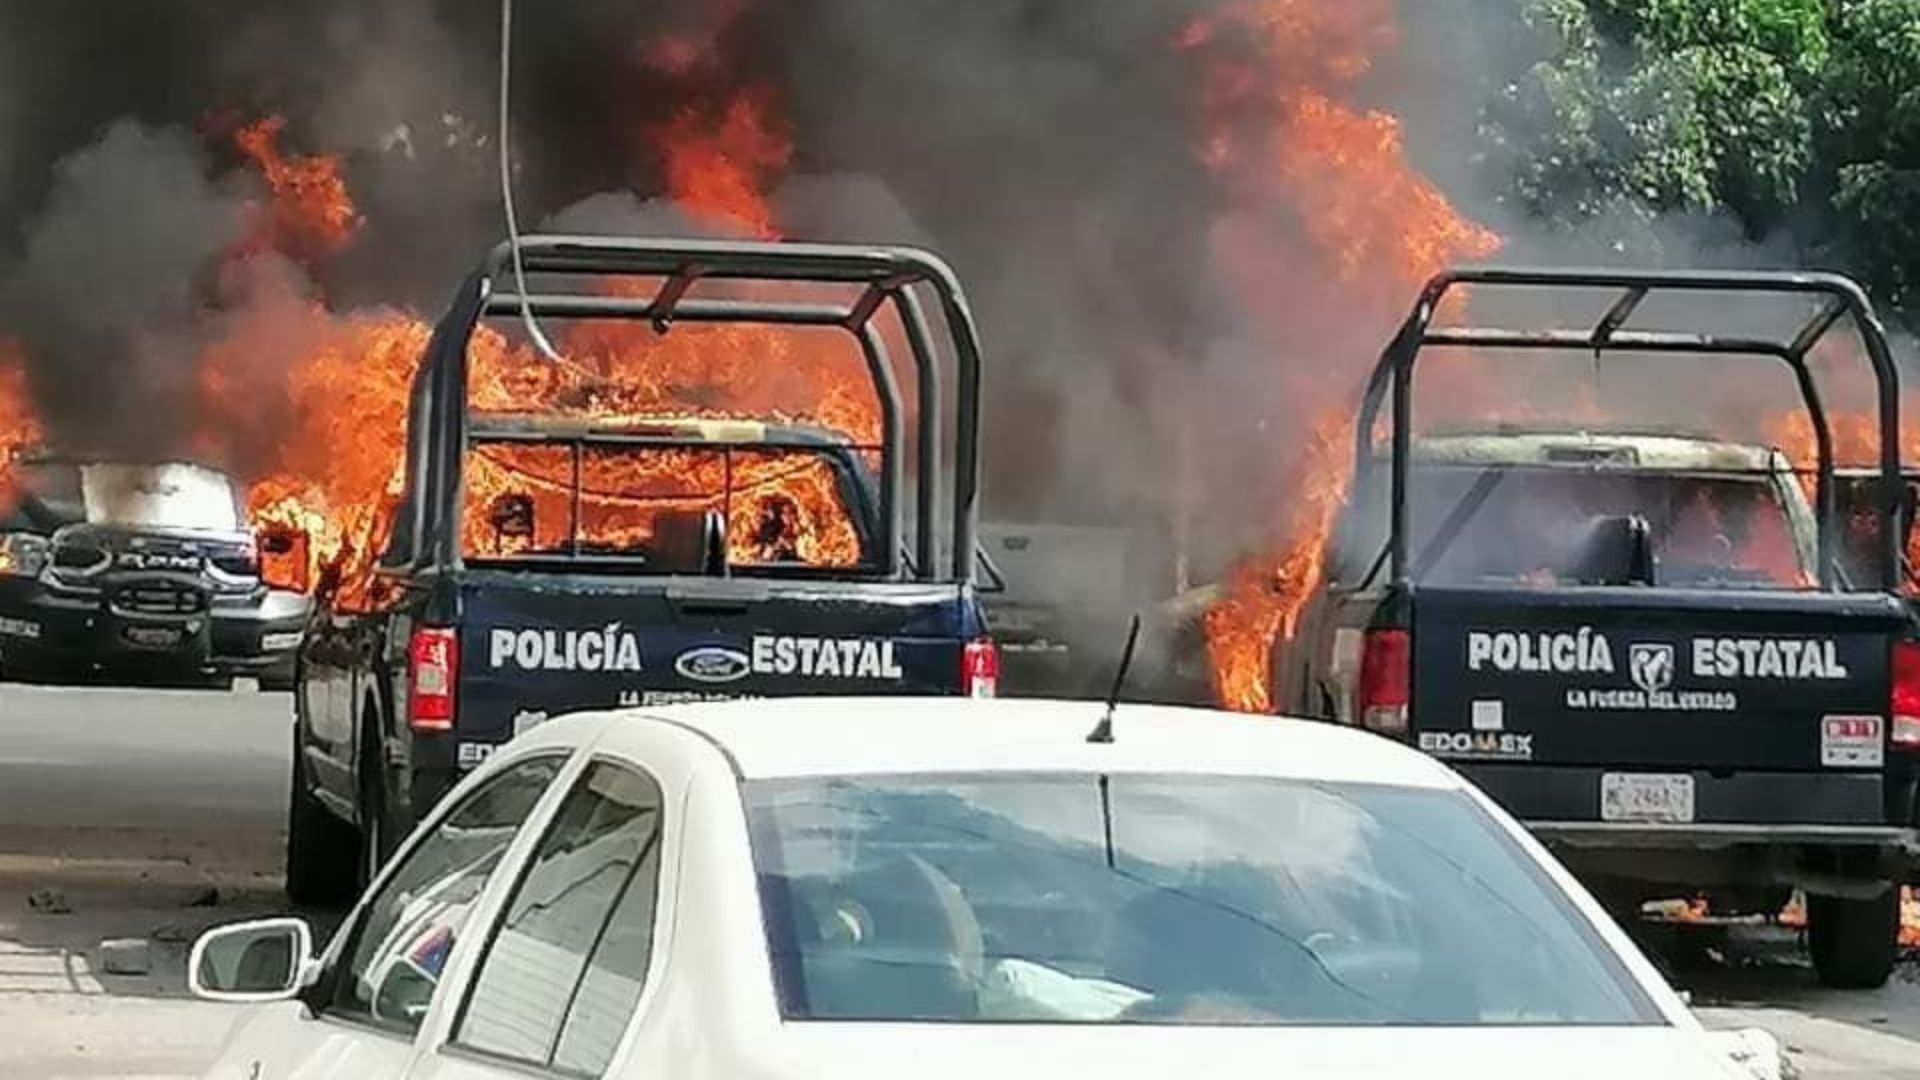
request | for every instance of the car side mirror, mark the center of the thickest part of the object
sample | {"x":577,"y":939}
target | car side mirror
{"x":262,"y":960}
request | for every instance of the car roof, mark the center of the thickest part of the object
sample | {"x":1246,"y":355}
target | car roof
{"x":823,"y":736}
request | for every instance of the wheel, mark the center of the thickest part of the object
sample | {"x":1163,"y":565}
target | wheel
{"x":321,"y":849}
{"x":375,"y":839}
{"x":1854,"y":942}
{"x":280,"y":677}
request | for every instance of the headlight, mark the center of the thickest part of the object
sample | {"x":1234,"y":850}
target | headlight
{"x":22,"y":554}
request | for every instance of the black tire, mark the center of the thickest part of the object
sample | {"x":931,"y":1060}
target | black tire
{"x":321,"y":848}
{"x":375,"y":840}
{"x":280,"y":677}
{"x":1854,"y":943}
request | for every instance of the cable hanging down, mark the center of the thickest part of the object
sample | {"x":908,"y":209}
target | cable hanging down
{"x":506,"y":186}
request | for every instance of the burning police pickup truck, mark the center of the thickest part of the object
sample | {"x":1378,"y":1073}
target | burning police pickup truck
{"x":1653,"y":649}
{"x":601,"y":550}
{"x":137,"y":571}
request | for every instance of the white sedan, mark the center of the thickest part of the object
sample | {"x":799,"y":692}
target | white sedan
{"x":945,"y":888}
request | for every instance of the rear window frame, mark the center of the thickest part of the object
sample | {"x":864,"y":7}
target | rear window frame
{"x":1358,"y":544}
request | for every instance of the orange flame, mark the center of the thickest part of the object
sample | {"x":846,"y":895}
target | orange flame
{"x":311,"y":215}
{"x":19,"y":429}
{"x":1302,"y":168}
{"x":716,"y":168}
{"x":336,"y":473}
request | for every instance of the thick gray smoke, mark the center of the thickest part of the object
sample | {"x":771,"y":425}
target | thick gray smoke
{"x":1047,"y":148}
{"x":109,"y":293}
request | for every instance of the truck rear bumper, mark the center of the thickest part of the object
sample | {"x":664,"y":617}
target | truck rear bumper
{"x":1708,"y":837}
{"x":1840,"y":860}
{"x":1825,"y":831}
{"x":1829,"y":799}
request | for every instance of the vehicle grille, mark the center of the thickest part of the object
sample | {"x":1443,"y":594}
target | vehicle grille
{"x":159,"y":598}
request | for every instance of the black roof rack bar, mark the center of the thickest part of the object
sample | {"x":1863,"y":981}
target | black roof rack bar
{"x":1845,"y":297}
{"x":769,"y":313}
{"x":670,"y":295}
{"x":1618,"y":341}
{"x":722,"y":259}
{"x":893,"y":462}
{"x":1817,"y":327}
{"x":931,"y":406}
{"x":635,"y":441}
{"x":1616,"y":317}
{"x":877,"y":293}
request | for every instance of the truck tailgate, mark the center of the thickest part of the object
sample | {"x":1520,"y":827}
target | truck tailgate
{"x":536,"y":645}
{"x":1720,"y":680}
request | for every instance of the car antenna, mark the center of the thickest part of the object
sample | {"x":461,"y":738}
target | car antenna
{"x":1103,"y":731}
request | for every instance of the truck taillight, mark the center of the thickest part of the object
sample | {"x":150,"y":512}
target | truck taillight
{"x":433,"y":665}
{"x":980,"y":669}
{"x":1384,"y":680}
{"x":1905,"y":705}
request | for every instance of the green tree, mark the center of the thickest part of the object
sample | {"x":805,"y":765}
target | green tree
{"x":1869,"y":147}
{"x":1662,"y":105}
{"x":1794,"y":118}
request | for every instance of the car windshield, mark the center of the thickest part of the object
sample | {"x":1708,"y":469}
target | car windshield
{"x":1166,"y":900}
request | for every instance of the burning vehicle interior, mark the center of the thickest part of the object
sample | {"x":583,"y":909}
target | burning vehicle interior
{"x":1553,"y":508}
{"x":1610,"y":498}
{"x":692,"y":423}
{"x":699,"y":497}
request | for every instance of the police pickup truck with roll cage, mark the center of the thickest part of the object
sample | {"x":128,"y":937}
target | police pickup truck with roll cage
{"x":1654,"y":649}
{"x":541,"y":562}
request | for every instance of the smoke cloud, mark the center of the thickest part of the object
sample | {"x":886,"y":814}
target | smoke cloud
{"x":109,"y":291}
{"x":1052,"y":151}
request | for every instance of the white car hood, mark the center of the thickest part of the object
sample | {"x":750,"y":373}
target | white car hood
{"x":1096,"y":1052}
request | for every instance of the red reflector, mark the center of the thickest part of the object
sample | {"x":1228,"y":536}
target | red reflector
{"x":1385,"y":687}
{"x":1904,"y":730}
{"x":433,"y":665}
{"x":980,"y":669}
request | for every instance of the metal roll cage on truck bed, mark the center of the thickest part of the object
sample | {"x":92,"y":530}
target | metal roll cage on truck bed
{"x":1844,"y":298}
{"x":468,"y":645}
{"x":1660,"y":726}
{"x":885,"y":276}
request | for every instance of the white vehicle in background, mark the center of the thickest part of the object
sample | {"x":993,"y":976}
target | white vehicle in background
{"x":885,"y":887}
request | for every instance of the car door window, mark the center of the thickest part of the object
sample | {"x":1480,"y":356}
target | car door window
{"x":394,"y":959}
{"x":559,"y":981}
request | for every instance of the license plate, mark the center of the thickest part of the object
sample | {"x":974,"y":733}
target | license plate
{"x":1654,"y":797}
{"x":154,"y":637}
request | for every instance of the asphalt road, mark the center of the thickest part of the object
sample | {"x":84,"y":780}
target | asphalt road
{"x":148,"y":815}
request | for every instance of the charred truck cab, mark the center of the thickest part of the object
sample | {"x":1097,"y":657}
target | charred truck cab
{"x":1655,"y":650}
{"x":581,"y":555}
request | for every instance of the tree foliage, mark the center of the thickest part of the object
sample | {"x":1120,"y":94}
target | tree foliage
{"x":1788,"y":117}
